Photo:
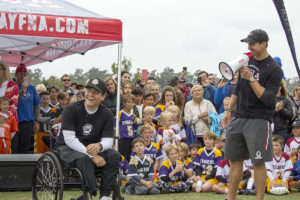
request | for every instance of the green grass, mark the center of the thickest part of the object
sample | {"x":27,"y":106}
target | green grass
{"x":178,"y":196}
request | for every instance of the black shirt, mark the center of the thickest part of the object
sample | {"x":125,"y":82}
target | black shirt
{"x":89,"y":128}
{"x":268,"y":73}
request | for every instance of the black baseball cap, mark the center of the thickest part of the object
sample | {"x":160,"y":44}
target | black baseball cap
{"x":97,"y":84}
{"x":296,"y":123}
{"x":257,"y":35}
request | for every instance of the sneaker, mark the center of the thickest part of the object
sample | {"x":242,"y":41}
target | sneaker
{"x":105,"y":198}
{"x":241,"y":192}
{"x":250,"y":192}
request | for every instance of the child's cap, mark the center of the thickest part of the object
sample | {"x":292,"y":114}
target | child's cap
{"x":296,"y":123}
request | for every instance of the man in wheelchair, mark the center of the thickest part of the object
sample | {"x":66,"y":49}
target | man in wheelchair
{"x":86,"y":140}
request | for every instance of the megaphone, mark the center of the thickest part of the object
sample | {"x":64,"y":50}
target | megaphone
{"x":228,"y":69}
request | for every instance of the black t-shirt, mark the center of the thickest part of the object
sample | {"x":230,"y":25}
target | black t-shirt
{"x":89,"y":128}
{"x":269,"y":74}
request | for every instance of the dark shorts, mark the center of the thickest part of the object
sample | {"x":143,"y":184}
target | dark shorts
{"x":249,"y":138}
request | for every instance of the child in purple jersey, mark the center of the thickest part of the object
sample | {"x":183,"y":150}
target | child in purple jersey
{"x":152,"y":149}
{"x":128,"y":126}
{"x":172,"y":173}
{"x":207,"y":161}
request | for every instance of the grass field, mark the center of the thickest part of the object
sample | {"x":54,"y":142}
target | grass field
{"x":177,"y":196}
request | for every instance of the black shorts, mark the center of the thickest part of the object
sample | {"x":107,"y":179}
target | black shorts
{"x":249,"y":138}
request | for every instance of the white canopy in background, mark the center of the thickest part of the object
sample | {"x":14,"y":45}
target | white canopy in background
{"x":36,"y":31}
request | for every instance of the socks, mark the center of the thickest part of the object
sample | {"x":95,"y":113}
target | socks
{"x":250,"y":183}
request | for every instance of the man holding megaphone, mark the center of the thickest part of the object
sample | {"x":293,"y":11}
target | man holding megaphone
{"x":249,"y":132}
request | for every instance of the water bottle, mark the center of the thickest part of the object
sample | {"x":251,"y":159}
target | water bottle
{"x":198,"y":186}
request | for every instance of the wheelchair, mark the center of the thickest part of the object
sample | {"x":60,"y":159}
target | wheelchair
{"x":52,"y":175}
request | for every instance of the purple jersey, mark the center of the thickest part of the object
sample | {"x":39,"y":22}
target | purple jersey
{"x":208,"y":161}
{"x":128,"y":125}
{"x":124,"y":165}
{"x":153,"y":151}
{"x":166,"y":168}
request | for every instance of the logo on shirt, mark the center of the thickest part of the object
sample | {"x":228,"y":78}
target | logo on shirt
{"x":258,"y":155}
{"x":87,"y":129}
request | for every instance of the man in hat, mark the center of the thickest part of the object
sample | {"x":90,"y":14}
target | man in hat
{"x":249,"y":131}
{"x":86,"y":139}
{"x":28,"y":113}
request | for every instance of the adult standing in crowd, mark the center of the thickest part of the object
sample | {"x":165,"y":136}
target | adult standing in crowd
{"x":196,"y":113}
{"x":87,"y":137}
{"x":9,"y":89}
{"x":209,"y":91}
{"x":224,"y":89}
{"x":28,"y":113}
{"x":66,"y":84}
{"x":110,"y":100}
{"x":283,"y":111}
{"x":125,"y":77}
{"x":249,"y":132}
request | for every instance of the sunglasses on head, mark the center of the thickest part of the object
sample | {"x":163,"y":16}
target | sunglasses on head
{"x":66,"y":80}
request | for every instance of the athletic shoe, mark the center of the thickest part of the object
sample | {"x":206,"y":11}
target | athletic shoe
{"x":241,"y":191}
{"x":250,"y":192}
{"x":105,"y":198}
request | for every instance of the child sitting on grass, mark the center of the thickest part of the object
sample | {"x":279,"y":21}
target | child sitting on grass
{"x":171,"y":172}
{"x":141,"y":171}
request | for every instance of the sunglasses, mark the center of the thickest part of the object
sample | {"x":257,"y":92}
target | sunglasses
{"x":66,"y":80}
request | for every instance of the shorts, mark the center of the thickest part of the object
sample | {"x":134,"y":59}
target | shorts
{"x":213,"y":181}
{"x":5,"y":146}
{"x":39,"y":145}
{"x":249,"y":138}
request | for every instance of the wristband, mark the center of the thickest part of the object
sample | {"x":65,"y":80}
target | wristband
{"x":229,"y":110}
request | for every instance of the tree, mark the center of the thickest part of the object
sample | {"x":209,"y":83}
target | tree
{"x":126,"y":66}
{"x":137,"y":75}
{"x":165,"y":76}
{"x":95,"y":72}
{"x":78,"y":76}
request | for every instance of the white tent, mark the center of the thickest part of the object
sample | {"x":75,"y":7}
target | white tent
{"x":36,"y":31}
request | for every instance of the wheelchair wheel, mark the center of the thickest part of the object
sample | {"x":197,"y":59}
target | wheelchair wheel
{"x":47,"y":179}
{"x":116,"y":192}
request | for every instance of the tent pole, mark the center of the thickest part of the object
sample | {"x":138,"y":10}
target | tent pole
{"x":118,"y":95}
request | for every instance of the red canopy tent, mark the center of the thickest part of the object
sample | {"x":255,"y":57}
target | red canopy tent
{"x":36,"y":31}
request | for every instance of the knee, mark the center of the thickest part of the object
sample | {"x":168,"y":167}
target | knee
{"x":113,"y":157}
{"x":206,"y":188}
{"x":141,"y":190}
{"x":214,"y":188}
{"x":154,"y":191}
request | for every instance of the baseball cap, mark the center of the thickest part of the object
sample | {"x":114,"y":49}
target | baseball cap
{"x":21,"y":68}
{"x":296,"y":123}
{"x":257,"y":35}
{"x":98,"y":84}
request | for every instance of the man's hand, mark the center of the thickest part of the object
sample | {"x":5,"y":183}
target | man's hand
{"x":245,"y":73}
{"x":93,"y":149}
{"x":36,"y":127}
{"x":99,"y":161}
{"x":227,"y":118}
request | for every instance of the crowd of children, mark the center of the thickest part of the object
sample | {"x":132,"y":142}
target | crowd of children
{"x":156,"y":155}
{"x":161,"y":161}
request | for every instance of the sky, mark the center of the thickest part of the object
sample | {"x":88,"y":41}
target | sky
{"x":197,"y":34}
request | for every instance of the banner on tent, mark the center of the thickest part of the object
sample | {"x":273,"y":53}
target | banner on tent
{"x":54,"y":26}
